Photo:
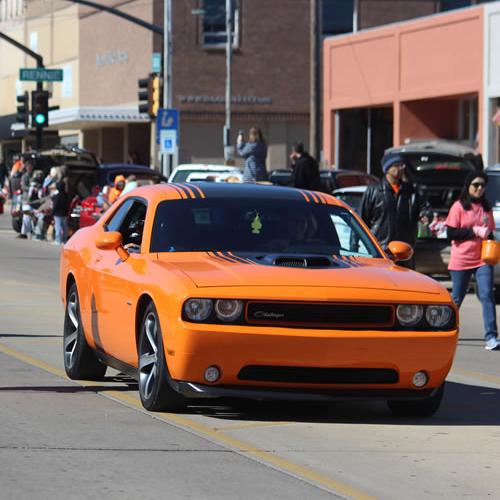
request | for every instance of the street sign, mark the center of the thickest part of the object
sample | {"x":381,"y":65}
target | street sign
{"x":40,"y":75}
{"x":156,"y":62}
{"x":167,"y":119}
{"x":168,"y":141}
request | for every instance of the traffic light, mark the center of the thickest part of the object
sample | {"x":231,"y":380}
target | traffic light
{"x":23,"y":109}
{"x":39,"y":108}
{"x":150,"y":97}
{"x":155,"y":95}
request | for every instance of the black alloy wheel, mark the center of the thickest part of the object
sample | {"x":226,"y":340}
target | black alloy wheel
{"x":154,"y":389}
{"x":80,"y":361}
{"x":417,"y":408}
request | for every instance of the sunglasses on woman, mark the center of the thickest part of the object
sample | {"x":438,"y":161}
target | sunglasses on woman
{"x":478,"y":185}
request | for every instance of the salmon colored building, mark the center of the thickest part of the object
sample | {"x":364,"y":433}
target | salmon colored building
{"x":435,"y":77}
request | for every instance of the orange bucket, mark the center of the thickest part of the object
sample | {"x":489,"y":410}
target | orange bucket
{"x":490,"y":252}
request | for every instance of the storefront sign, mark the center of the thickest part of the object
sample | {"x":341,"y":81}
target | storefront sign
{"x":111,"y":57}
{"x":219,"y":99}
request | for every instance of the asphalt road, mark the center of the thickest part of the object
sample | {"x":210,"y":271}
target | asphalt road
{"x":61,"y":439}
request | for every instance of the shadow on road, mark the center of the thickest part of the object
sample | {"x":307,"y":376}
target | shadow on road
{"x":462,"y":405}
{"x":27,"y":335}
{"x":65,"y":389}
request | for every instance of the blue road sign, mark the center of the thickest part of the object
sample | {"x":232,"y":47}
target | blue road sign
{"x":167,"y":119}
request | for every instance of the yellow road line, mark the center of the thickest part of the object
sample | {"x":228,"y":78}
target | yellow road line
{"x":213,"y":434}
{"x":254,"y":425}
{"x":481,"y":376}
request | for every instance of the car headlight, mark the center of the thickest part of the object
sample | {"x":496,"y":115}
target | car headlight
{"x":228,"y":309}
{"x":198,"y":309}
{"x":438,"y":316}
{"x":409,"y":314}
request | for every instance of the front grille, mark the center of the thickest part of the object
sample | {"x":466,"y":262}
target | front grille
{"x":307,"y":375}
{"x":320,"y":315}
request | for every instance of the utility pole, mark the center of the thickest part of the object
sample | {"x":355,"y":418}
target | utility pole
{"x":166,"y":160}
{"x":228,"y":149}
{"x":314,"y":81}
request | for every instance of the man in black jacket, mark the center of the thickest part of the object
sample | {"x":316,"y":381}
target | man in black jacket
{"x":305,"y":174}
{"x":392,"y":208}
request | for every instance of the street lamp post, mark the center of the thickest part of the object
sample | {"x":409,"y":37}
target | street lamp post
{"x":228,"y":149}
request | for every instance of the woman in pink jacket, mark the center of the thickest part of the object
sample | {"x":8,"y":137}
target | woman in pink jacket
{"x":469,"y":222}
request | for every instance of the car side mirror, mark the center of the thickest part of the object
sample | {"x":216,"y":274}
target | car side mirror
{"x":112,"y":240}
{"x":399,"y":250}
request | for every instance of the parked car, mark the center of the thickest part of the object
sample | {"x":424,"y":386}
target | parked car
{"x":87,"y":208}
{"x":182,"y":172}
{"x":330,"y":179}
{"x":81,"y":170}
{"x":493,"y":195}
{"x":280,"y":306}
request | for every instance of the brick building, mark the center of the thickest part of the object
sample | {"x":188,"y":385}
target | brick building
{"x":103,"y":57}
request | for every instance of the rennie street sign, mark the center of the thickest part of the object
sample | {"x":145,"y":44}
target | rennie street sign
{"x":40,"y":75}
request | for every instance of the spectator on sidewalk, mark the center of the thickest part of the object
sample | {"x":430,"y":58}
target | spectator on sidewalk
{"x":130,"y":183}
{"x":254,"y":151}
{"x":305,"y":173}
{"x":392,"y":207}
{"x":469,"y":222}
{"x":26,"y":197}
{"x":117,"y":189}
{"x":60,"y":211}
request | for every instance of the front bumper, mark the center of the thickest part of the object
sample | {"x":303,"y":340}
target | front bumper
{"x":191,"y":349}
{"x":193,"y":390}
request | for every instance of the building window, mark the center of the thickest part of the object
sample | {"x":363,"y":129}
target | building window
{"x":337,"y":16}
{"x":454,"y":4}
{"x":10,"y":9}
{"x":214,"y":23}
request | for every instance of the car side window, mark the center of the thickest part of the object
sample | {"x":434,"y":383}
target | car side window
{"x":132,"y":226}
{"x":116,"y":220}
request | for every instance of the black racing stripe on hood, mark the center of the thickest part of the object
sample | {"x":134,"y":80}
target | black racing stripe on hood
{"x":243,"y":260}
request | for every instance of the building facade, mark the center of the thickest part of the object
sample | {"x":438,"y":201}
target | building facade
{"x":103,"y":56}
{"x":435,"y":77}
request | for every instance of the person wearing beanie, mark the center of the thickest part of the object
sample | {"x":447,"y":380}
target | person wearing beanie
{"x":392,"y":207}
{"x":469,"y":222}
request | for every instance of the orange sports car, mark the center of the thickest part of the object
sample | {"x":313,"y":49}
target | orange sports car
{"x":225,"y":290}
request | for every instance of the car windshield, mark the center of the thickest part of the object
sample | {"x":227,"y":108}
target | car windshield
{"x":493,"y":189}
{"x":258,"y":226}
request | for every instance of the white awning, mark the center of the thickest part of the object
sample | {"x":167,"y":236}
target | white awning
{"x":90,"y":117}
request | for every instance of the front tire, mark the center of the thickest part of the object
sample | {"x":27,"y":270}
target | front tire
{"x":80,"y":361}
{"x":154,"y":389}
{"x":419,"y":408}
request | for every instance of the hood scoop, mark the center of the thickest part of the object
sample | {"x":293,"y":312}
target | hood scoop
{"x":300,"y":261}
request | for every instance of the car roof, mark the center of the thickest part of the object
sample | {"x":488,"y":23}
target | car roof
{"x":493,"y":169}
{"x":199,"y":190}
{"x":352,"y":189}
{"x":437,"y":146}
{"x":127,"y":166}
{"x":205,"y":166}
